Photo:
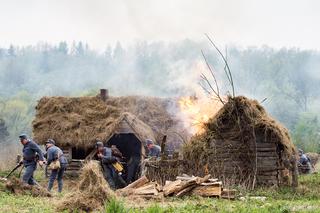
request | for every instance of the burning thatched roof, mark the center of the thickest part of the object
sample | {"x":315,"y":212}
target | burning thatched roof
{"x":240,"y":118}
{"x":79,"y":121}
{"x":237,"y":128}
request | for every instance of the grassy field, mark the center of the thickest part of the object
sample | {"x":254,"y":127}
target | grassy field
{"x":306,"y":198}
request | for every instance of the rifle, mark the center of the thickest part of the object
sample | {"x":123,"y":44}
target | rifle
{"x":14,"y":169}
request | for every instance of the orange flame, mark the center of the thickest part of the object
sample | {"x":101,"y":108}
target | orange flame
{"x":196,"y":112}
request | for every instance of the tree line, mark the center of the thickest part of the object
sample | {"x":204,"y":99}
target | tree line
{"x":287,"y":80}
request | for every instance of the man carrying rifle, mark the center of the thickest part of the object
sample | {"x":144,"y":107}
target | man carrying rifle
{"x":30,"y":152}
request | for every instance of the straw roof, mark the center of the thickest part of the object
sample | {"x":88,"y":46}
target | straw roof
{"x":129,"y":123}
{"x":241,"y":120}
{"x":79,"y":121}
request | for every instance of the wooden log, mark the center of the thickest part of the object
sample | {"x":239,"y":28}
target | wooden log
{"x":217,"y":183}
{"x":185,"y":184}
{"x":171,"y":187}
{"x":149,"y":189}
{"x":158,"y":187}
{"x":183,"y":178}
{"x":168,"y":182}
{"x":185,"y":190}
{"x":140,"y":182}
{"x":188,"y":185}
{"x":207,"y":191}
{"x":200,"y":180}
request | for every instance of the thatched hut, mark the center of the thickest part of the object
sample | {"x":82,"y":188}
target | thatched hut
{"x":242,"y":144}
{"x":75,"y":123}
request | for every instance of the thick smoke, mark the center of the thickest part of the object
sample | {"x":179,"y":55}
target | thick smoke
{"x":287,"y":78}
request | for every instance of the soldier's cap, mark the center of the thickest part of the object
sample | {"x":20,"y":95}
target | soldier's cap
{"x":50,"y":141}
{"x":149,"y":141}
{"x":23,"y":136}
{"x":99,"y":144}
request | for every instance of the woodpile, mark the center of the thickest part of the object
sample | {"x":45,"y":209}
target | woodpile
{"x":184,"y":185}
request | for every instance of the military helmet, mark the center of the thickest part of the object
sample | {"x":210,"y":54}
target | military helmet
{"x":23,"y":136}
{"x":50,"y":141}
{"x":99,"y":144}
{"x":149,"y":141}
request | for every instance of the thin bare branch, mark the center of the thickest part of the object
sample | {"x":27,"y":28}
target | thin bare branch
{"x":211,"y":71}
{"x":229,"y":75}
{"x":205,"y":89}
{"x":263,"y":100}
{"x":209,"y":84}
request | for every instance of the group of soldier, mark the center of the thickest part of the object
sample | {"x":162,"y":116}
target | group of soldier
{"x":109,"y":157}
{"x":33,"y":155}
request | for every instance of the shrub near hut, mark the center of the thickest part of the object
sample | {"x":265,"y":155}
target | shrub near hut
{"x":242,"y":144}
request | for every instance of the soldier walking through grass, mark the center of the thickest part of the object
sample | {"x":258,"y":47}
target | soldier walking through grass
{"x":31,"y":151}
{"x":57,"y":162}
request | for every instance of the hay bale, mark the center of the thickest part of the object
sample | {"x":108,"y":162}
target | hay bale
{"x":16,"y":186}
{"x":92,"y":191}
{"x":230,"y":139}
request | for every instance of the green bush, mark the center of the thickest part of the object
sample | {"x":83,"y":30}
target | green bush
{"x":115,"y":206}
{"x":306,"y":134}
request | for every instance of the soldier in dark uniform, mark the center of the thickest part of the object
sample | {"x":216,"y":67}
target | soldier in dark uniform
{"x":304,"y":163}
{"x":104,"y":154}
{"x":55,"y":153}
{"x":30,"y":152}
{"x":154,"y":150}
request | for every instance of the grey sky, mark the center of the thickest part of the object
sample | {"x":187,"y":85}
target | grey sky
{"x":243,"y":22}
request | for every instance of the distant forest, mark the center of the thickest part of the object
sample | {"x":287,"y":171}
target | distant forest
{"x":288,"y":80}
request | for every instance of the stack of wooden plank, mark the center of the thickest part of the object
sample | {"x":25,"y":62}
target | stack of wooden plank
{"x":183,"y":185}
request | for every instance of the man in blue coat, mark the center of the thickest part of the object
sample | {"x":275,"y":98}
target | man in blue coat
{"x":304,"y":162}
{"x":104,"y":154}
{"x":55,"y":153}
{"x":154,"y":150}
{"x":30,"y":152}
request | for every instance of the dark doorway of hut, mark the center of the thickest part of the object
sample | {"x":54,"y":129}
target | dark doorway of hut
{"x":80,"y":153}
{"x":130,"y":147}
